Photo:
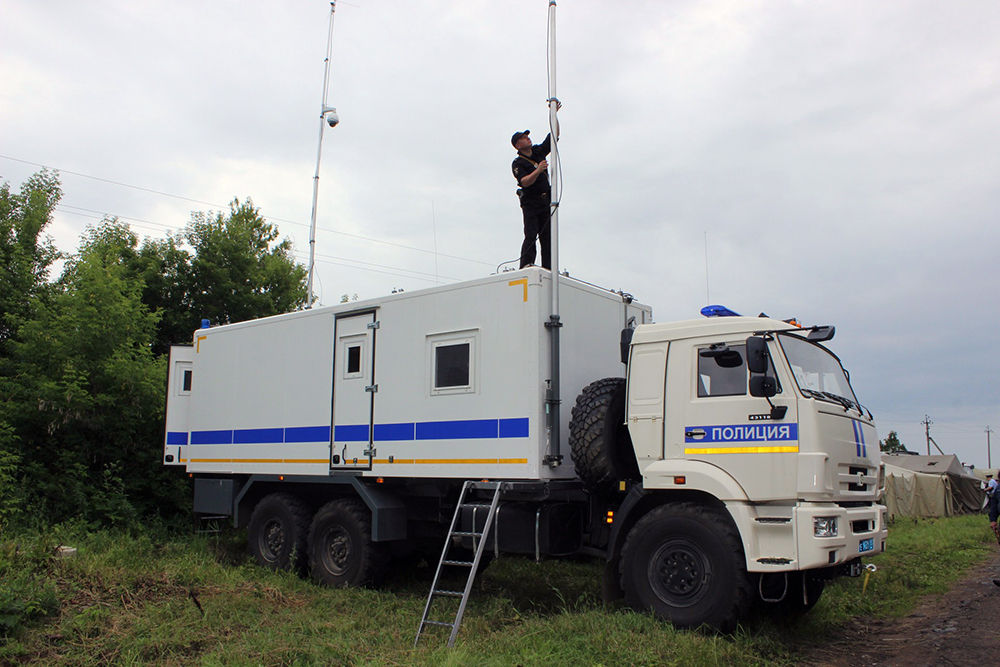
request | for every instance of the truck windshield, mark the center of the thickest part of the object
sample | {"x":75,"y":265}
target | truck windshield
{"x":818,"y":372}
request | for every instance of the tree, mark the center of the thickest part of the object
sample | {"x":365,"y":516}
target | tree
{"x":25,"y":258}
{"x":25,"y":255}
{"x":891,"y":444}
{"x":238,"y":271}
{"x":87,"y":403}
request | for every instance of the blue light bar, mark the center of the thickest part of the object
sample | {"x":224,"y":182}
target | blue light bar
{"x":718,"y":311}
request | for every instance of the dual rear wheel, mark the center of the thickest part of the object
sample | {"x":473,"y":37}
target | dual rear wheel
{"x":335,"y":545}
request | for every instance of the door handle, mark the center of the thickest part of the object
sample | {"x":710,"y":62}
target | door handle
{"x":695,"y":433}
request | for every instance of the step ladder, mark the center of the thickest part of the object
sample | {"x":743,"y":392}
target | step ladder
{"x":479,"y":546}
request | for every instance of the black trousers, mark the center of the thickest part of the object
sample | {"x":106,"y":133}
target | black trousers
{"x":536,"y":225}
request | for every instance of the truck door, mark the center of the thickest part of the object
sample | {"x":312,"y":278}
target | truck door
{"x":725,"y":426}
{"x":354,"y":391}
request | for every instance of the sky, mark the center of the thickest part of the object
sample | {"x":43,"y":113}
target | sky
{"x":837,"y":162}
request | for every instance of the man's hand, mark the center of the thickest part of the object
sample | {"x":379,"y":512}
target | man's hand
{"x":543,"y":165}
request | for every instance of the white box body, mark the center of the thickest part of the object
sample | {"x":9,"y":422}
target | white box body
{"x":448,"y":382}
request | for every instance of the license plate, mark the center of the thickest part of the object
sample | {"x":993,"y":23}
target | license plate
{"x":866,"y":545}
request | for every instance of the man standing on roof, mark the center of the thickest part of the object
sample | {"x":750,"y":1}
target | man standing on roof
{"x":530,"y":169}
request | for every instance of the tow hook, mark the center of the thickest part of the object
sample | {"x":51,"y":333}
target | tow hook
{"x":870,"y":568}
{"x":854,"y":568}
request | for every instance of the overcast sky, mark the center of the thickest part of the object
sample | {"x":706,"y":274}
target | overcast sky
{"x":837,"y":162}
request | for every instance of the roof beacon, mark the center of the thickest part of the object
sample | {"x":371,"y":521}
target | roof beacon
{"x":718,"y":311}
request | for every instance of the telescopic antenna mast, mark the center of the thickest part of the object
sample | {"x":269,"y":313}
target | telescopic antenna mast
{"x":554,"y":458}
{"x":327,"y":116}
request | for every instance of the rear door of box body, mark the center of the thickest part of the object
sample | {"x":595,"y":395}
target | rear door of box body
{"x":354,"y":391}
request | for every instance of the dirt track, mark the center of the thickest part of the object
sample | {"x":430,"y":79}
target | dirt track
{"x":961,"y":627}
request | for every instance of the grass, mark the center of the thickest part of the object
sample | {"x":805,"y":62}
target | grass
{"x":178,"y":599}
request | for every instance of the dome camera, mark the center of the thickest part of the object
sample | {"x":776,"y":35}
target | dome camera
{"x":332,"y":119}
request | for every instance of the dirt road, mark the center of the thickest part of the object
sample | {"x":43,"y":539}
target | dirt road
{"x":961,"y":627}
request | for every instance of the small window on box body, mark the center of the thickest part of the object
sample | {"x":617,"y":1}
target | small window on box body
{"x":183,"y":377}
{"x":452,"y":363}
{"x":452,"y":366}
{"x":354,"y":359}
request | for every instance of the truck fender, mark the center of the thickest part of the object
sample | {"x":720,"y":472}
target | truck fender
{"x":702,"y":483}
{"x":697,"y":476}
{"x":389,"y":515}
{"x":388,"y":511}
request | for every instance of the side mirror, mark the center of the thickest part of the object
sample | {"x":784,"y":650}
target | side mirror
{"x":820,"y":334}
{"x":763,"y":386}
{"x":626,"y":342}
{"x":757,"y":355}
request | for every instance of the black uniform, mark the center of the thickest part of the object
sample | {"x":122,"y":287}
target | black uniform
{"x":535,"y":205}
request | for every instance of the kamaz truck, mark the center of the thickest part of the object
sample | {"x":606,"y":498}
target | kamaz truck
{"x":714,"y":463}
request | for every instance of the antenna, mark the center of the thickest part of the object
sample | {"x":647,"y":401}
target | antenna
{"x":327,"y":116}
{"x":708,"y":292}
{"x":554,"y":457}
{"x":435,"y":230}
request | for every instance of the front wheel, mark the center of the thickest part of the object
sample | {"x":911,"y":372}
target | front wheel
{"x":685,"y":563}
{"x":341,"y":550}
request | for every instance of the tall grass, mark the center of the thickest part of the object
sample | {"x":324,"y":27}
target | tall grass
{"x":177,"y":599}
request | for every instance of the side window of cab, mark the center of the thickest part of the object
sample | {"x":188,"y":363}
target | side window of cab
{"x":722,"y":371}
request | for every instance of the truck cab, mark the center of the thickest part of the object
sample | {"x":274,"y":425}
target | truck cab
{"x":750,"y":427}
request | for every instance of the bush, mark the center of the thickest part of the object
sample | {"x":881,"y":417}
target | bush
{"x":26,"y":589}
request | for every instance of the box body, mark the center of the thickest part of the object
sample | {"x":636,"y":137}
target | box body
{"x":448,"y":382}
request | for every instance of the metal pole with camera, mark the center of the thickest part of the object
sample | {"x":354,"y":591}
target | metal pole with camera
{"x":327,"y":116}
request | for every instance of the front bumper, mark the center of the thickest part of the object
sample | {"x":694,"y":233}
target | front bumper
{"x":861,"y":532}
{"x":782,"y":539}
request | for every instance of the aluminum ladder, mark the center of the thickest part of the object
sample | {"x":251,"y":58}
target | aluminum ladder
{"x":479,"y":546}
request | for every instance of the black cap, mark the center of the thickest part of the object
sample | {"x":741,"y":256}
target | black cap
{"x":517,"y":136}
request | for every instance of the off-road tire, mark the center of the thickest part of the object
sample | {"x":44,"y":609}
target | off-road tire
{"x":685,"y":563}
{"x":341,"y":550}
{"x":276,"y":535}
{"x":599,"y":439}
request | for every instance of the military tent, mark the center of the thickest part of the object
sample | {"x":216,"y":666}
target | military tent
{"x":929,"y":486}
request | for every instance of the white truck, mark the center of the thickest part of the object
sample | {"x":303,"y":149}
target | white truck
{"x":716,"y":462}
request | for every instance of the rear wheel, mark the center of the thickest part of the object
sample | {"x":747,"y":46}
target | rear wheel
{"x":277,"y":532}
{"x":341,"y":550}
{"x":685,"y":563}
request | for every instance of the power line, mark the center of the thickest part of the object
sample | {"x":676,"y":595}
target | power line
{"x":329,"y":259}
{"x":220,"y":206}
{"x":106,"y":180}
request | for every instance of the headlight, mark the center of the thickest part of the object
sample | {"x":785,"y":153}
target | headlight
{"x":825,"y":526}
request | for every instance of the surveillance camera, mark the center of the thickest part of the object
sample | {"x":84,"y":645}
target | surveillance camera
{"x":332,"y":119}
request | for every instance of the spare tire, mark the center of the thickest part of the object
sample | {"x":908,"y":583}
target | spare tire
{"x":599,"y":438}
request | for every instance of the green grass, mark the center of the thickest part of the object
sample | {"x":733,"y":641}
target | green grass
{"x":178,"y":599}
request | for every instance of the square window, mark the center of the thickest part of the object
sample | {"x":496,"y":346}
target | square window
{"x":451,"y":363}
{"x":452,"y":359}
